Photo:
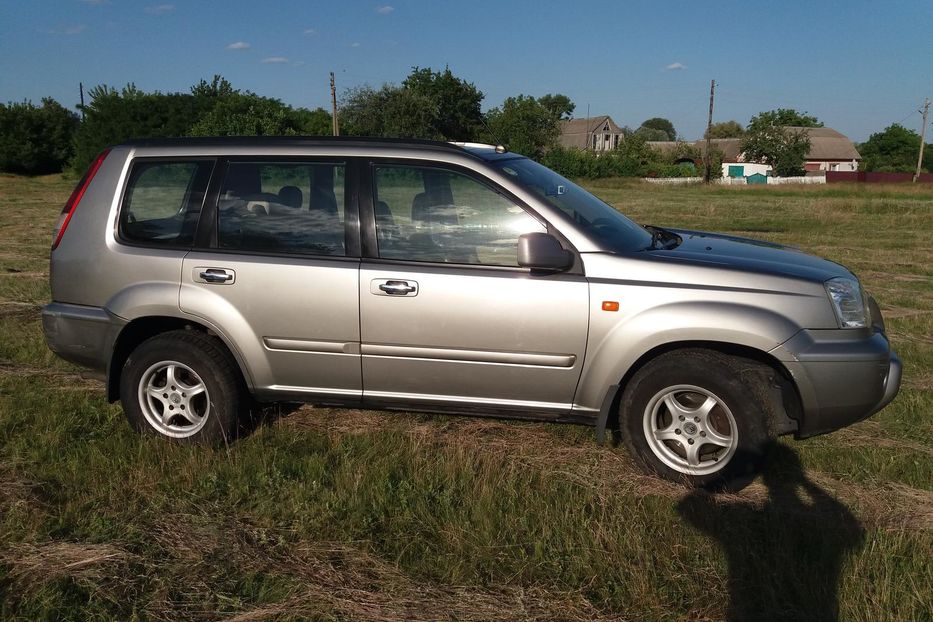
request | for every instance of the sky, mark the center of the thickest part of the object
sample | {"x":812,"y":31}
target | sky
{"x":858,"y":66}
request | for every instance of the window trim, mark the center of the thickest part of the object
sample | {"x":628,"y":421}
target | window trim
{"x":367,"y":197}
{"x":124,"y":194}
{"x":207,"y":236}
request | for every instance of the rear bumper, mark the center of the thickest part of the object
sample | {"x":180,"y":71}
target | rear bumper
{"x":842,"y":376}
{"x":81,"y":335}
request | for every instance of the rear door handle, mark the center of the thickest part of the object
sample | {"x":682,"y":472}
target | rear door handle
{"x":393,"y":287}
{"x":216,"y":276}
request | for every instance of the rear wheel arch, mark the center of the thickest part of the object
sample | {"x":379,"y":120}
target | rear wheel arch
{"x":140,"y":329}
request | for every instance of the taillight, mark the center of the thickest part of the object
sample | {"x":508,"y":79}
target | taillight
{"x":75,"y":198}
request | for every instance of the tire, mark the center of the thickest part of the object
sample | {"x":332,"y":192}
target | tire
{"x":183,"y":385}
{"x":698,"y":417}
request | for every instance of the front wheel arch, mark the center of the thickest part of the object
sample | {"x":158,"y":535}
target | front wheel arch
{"x":787,"y":411}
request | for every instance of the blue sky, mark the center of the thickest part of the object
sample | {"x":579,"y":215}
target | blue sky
{"x":858,"y":66}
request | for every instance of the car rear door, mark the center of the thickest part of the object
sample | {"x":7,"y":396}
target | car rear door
{"x":447,"y":316}
{"x":278,"y":271}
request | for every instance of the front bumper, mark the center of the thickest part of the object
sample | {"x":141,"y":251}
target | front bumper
{"x":80,"y":334}
{"x":842,"y":376}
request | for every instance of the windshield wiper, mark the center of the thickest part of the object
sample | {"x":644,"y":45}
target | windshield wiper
{"x":660,"y":238}
{"x":655,"y":236}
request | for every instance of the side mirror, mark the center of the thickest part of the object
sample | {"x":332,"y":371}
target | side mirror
{"x":540,"y":251}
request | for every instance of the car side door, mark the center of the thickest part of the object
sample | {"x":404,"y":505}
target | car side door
{"x":447,"y":315}
{"x":277,"y":273}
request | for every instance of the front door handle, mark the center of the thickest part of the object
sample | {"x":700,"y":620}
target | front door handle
{"x":394,"y":287}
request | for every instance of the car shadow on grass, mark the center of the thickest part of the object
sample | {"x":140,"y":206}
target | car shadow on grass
{"x":784,"y":555}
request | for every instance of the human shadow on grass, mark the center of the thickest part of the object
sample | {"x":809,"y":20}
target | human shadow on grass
{"x":785,"y":555}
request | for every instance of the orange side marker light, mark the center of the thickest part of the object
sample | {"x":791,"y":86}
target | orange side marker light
{"x":610,"y":305}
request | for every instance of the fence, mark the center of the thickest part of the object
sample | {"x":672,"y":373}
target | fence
{"x":734,"y":181}
{"x":863,"y":177}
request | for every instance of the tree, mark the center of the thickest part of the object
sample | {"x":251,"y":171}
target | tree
{"x":768,"y":139}
{"x":36,"y":139}
{"x":789,"y":117}
{"x":652,"y":134}
{"x":391,"y":112}
{"x":315,"y":122}
{"x":429,"y":104}
{"x":726,"y":129}
{"x":660,"y":124}
{"x":894,"y":150}
{"x":524,"y":125}
{"x":247,"y":114}
{"x":455,"y":103}
{"x":559,"y":105}
{"x":217,"y":87}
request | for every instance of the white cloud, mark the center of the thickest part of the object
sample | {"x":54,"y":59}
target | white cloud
{"x":384,"y":9}
{"x":298,"y":63}
{"x":272,"y":60}
{"x":239,"y":45}
{"x":309,"y":31}
{"x":160,"y":9}
{"x":355,"y":44}
{"x":675,"y":67}
{"x":69,"y":29}
{"x":96,"y":2}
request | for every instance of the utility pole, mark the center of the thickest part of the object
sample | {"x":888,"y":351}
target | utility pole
{"x":333,"y":104}
{"x":709,"y":126}
{"x":923,"y":134}
{"x":81,"y":91}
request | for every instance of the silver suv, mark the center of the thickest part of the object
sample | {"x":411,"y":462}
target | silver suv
{"x":204,"y":275}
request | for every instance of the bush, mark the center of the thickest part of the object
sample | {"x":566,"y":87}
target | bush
{"x":211,"y":109}
{"x":633,"y":158}
{"x":36,"y":139}
{"x":114,"y":117}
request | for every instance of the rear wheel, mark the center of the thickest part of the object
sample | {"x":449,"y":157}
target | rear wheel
{"x":698,"y":417}
{"x":184,"y":386}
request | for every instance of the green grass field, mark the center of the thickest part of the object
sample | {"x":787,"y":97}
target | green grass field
{"x":332,"y":514}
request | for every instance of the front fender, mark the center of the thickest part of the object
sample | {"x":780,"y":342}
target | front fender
{"x":617,"y":343}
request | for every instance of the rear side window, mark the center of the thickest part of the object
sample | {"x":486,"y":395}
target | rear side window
{"x":283,"y":208}
{"x":163,"y":201}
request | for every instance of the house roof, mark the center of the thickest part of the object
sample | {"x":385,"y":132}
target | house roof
{"x":828,"y":144}
{"x":825,"y":144}
{"x":576,"y":132}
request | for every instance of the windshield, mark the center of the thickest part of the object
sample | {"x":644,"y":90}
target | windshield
{"x":598,"y":218}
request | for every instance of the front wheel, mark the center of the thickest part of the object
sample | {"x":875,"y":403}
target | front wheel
{"x":184,"y":386}
{"x":698,"y":417}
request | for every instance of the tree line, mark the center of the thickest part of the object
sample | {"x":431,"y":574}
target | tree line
{"x":428,"y":104}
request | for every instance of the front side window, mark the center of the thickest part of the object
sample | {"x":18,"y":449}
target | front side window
{"x":282,"y":207}
{"x":163,"y":201}
{"x":438,"y":215}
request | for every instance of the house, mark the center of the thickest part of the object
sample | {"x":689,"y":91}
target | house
{"x":829,"y":151}
{"x":591,"y":134}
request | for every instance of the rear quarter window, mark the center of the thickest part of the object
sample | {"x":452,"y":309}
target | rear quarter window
{"x":163,"y":201}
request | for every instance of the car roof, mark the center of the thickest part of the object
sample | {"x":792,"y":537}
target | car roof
{"x":477,"y":150}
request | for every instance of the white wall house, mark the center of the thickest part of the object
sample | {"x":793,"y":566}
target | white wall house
{"x":829,"y":151}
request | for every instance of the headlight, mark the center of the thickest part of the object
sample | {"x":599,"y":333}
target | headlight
{"x":848,"y":302}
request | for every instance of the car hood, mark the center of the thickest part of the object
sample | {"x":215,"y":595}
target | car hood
{"x":731,"y":252}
